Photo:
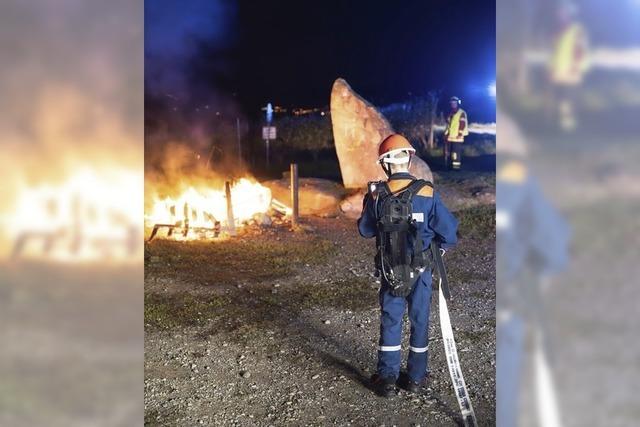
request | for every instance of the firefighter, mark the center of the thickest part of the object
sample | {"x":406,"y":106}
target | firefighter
{"x":457,"y":128}
{"x":568,"y":65}
{"x":432,"y":220}
{"x":532,"y":244}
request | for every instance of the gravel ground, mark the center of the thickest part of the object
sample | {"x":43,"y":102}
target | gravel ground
{"x":71,"y":344}
{"x":592,"y":305}
{"x":280,"y":327}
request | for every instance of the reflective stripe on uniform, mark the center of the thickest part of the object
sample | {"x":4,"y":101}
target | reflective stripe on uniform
{"x":513,"y":172}
{"x":419,"y":349}
{"x":503,"y":219}
{"x":389,"y":348}
{"x":454,"y":128}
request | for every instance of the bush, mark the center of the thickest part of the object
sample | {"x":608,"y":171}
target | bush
{"x":474,"y":147}
{"x":411,"y":119}
{"x":311,"y":132}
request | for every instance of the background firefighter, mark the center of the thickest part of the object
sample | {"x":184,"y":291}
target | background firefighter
{"x":433,"y":221}
{"x":454,"y":133}
{"x":567,"y":67}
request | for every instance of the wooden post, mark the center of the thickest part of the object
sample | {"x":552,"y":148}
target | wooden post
{"x":294,"y":194}
{"x":239,"y":139}
{"x":431,"y":142}
{"x":231,"y":224}
{"x":433,"y":108}
{"x":185,"y":221}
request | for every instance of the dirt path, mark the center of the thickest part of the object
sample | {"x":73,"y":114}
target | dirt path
{"x":280,"y":328}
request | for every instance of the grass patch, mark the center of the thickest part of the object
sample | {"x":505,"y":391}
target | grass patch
{"x":472,"y":147}
{"x":167,"y":311}
{"x":459,"y":274}
{"x":477,"y":222}
{"x":350,"y":294}
{"x":231,"y":261}
{"x":243,"y":314}
{"x":621,"y":214}
{"x":487,"y":179}
{"x":479,"y":147}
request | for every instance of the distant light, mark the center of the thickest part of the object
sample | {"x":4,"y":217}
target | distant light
{"x":269,"y":113}
{"x":491,"y":90}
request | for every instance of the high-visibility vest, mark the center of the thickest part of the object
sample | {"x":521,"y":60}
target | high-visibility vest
{"x":569,"y":59}
{"x":453,"y":126}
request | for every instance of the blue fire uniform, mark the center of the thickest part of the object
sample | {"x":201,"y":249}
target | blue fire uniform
{"x":435,"y":222}
{"x":532,"y":242}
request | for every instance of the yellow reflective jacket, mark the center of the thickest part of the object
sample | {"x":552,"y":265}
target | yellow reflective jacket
{"x":569,"y":60}
{"x":457,"y":124}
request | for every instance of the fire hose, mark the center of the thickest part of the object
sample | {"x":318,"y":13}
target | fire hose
{"x":459,"y":386}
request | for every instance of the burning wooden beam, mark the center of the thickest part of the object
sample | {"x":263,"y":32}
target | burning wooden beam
{"x":185,"y":229}
{"x":231,"y":223}
{"x":280,"y":207}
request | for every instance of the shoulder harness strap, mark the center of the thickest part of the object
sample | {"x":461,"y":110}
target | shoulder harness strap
{"x":419,"y":259}
{"x":414,"y":188}
{"x":383,"y":190}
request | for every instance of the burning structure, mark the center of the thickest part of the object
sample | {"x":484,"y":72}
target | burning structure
{"x":79,"y":219}
{"x":205,"y":212}
{"x":190,"y":201}
{"x":67,"y":201}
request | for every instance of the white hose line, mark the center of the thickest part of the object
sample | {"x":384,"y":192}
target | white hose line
{"x":547,"y":401}
{"x":459,"y":386}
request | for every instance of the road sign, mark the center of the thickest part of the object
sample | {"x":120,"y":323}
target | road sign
{"x":268,"y":132}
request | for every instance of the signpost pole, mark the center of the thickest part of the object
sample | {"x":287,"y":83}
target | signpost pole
{"x":294,"y":194}
{"x":267,"y":142}
{"x":266,"y":135}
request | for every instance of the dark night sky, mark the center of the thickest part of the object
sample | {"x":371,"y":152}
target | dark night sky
{"x":289,"y":52}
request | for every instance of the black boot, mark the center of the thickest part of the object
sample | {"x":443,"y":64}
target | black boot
{"x":414,"y":387}
{"x":384,"y":386}
{"x":411,"y":386}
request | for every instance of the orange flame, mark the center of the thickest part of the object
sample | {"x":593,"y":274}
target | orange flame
{"x":84,"y":218}
{"x":203,"y":207}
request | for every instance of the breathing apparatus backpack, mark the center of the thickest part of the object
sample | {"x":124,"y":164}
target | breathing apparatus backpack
{"x":401,"y":257}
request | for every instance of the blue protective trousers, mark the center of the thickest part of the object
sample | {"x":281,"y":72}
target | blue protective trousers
{"x":392,"y":312}
{"x":509,"y":354}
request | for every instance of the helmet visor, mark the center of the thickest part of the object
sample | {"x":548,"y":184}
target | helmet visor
{"x":393,"y":158}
